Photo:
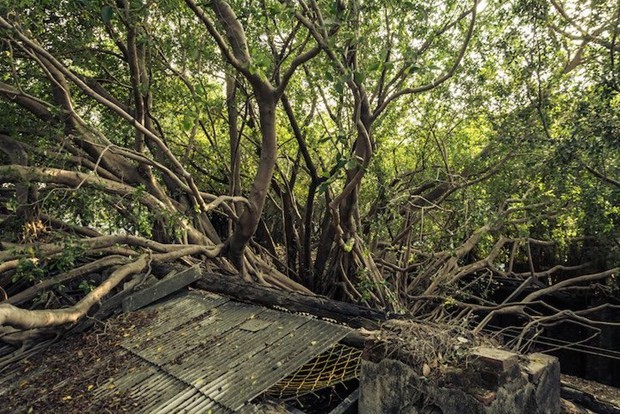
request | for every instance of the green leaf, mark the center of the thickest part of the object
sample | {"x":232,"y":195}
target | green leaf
{"x":188,"y":122}
{"x":411,"y":69}
{"x":322,"y":187}
{"x":341,"y":163}
{"x":261,"y":60}
{"x":106,"y":14}
{"x":375,"y":66}
{"x":275,"y":8}
{"x":351,"y":165}
{"x":339,"y":86}
{"x":359,"y":76}
{"x":348,"y":246}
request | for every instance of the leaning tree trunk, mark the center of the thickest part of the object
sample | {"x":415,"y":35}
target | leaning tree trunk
{"x":249,"y":219}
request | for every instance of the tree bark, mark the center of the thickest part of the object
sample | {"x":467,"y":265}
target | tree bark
{"x":248,"y":221}
{"x":351,"y":314}
{"x":29,"y":319}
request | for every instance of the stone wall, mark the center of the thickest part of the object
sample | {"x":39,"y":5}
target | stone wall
{"x":494,"y":382}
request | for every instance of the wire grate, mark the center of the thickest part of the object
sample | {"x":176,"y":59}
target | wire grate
{"x":338,"y":364}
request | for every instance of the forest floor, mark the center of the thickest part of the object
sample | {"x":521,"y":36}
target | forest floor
{"x":62,"y":377}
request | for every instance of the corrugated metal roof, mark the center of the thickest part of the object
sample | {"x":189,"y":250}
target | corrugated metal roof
{"x":202,"y":353}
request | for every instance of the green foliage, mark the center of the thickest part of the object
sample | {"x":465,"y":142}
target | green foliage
{"x":512,"y":123}
{"x":141,"y":218}
{"x":365,"y":285}
{"x":11,"y":204}
{"x":67,"y":259}
{"x":33,"y":266}
{"x":348,"y":246}
{"x":86,"y":286}
{"x":28,"y":269}
{"x":106,"y":13}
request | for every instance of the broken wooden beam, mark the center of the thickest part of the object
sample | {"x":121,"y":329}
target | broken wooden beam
{"x":161,"y":289}
{"x":348,"y":405}
{"x":587,"y":400}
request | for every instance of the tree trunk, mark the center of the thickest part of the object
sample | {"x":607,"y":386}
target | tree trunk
{"x":353,"y":315}
{"x":248,"y":221}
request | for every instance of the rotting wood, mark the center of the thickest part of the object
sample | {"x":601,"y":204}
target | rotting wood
{"x":161,"y":289}
{"x":351,"y":314}
{"x":347,"y":404}
{"x":587,"y":400}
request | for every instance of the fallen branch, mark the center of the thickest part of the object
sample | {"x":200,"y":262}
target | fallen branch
{"x":27,"y":319}
{"x":32,"y":291}
{"x":95,"y":243}
{"x":353,"y":315}
{"x":13,"y":316}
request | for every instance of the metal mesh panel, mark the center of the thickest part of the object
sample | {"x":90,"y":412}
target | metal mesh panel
{"x":338,"y":364}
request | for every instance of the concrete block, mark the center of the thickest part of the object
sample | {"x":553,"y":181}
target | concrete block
{"x":528,"y":387}
{"x":493,"y":359}
{"x":537,"y":364}
{"x":388,"y":387}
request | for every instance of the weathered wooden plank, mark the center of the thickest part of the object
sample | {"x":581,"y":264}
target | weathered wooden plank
{"x":161,"y":289}
{"x":347,"y":405}
{"x":587,"y":400}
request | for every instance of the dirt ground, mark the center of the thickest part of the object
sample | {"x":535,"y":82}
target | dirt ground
{"x":62,"y":378}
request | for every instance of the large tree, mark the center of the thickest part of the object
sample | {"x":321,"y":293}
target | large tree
{"x":400,"y":154}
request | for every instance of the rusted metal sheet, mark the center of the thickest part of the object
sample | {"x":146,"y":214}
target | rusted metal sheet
{"x":230,"y":353}
{"x":202,"y":353}
{"x":173,"y":314}
{"x":266,"y":367}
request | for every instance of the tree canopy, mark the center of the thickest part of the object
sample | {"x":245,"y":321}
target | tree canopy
{"x":455,"y":160}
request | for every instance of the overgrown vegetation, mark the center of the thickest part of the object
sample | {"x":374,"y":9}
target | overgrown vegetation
{"x":455,"y":160}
